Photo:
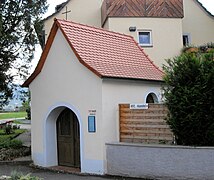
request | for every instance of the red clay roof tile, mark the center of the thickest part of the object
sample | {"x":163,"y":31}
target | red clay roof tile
{"x":107,"y":54}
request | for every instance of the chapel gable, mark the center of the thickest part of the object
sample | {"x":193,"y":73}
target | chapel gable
{"x":143,"y":8}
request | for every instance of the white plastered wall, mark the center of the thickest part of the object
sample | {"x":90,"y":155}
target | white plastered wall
{"x":82,"y":11}
{"x":115,"y":92}
{"x":166,"y":35}
{"x":197,"y":23}
{"x":65,"y":82}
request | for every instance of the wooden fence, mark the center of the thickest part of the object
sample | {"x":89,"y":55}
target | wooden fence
{"x":144,"y":125}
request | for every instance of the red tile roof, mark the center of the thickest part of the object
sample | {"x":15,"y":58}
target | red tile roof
{"x":107,"y":54}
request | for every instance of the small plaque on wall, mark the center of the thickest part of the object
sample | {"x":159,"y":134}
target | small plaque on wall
{"x":91,"y":124}
{"x":139,"y":106}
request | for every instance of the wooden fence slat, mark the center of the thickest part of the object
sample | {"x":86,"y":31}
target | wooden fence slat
{"x":144,"y":126}
{"x":147,"y":137}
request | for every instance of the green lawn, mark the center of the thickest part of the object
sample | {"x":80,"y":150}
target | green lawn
{"x":12,"y":115}
{"x":4,"y":137}
{"x":8,"y":141}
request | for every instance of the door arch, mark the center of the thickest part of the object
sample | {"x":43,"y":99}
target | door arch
{"x":151,"y":98}
{"x":68,"y":139}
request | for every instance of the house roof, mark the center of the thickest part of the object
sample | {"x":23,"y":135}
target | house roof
{"x":142,"y":8}
{"x":107,"y":54}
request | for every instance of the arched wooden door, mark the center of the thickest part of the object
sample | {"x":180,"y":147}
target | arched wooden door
{"x":68,"y":139}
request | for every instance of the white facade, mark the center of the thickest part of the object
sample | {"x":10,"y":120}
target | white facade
{"x":81,"y":11}
{"x":65,"y":82}
{"x":56,"y":87}
{"x":166,"y":35}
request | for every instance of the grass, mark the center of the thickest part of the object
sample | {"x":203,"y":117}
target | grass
{"x":20,"y":175}
{"x":8,"y":141}
{"x":17,"y":122}
{"x":14,"y":144}
{"x":12,"y":115}
{"x":4,"y":136}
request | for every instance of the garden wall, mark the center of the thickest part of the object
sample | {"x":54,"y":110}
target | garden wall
{"x":160,"y":161}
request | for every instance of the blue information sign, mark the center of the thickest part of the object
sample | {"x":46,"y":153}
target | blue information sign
{"x":91,"y":124}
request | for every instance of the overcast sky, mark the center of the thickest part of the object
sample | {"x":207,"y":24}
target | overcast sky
{"x":209,"y":5}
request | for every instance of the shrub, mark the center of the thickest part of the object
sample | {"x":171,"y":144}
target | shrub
{"x":206,"y":48}
{"x":28,"y":110}
{"x":189,"y":96}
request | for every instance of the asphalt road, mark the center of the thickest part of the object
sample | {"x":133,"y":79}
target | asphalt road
{"x":45,"y":174}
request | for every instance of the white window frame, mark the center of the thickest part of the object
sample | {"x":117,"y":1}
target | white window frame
{"x":150,"y":37}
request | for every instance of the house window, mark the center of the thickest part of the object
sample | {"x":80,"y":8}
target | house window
{"x":145,"y":38}
{"x":186,"y":40}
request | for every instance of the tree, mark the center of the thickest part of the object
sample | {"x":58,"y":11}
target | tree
{"x":17,"y":40}
{"x":189,"y":94}
{"x":26,"y":104}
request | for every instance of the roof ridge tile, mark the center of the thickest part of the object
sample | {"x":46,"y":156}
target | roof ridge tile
{"x":94,"y":28}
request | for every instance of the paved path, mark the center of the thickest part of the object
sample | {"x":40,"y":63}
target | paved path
{"x":7,"y":169}
{"x":25,"y":138}
{"x":11,"y":119}
{"x":25,"y":126}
